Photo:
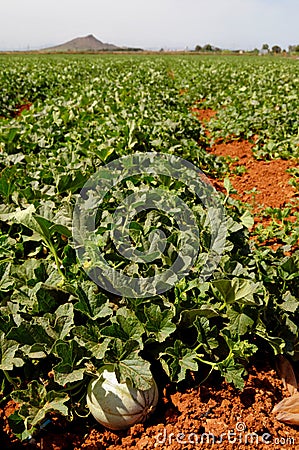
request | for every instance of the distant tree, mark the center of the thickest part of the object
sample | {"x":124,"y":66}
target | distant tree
{"x":207,"y":48}
{"x":265,"y":47}
{"x":293,"y":48}
{"x":276,"y":49}
{"x":198,"y":48}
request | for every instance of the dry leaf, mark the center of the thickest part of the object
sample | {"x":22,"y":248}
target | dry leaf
{"x":289,"y":404}
{"x":291,"y":419}
{"x":286,"y":373}
{"x":288,"y":410}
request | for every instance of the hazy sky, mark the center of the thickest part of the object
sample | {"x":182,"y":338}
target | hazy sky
{"x":151,"y":23}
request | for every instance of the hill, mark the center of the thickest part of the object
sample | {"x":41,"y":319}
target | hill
{"x":83,"y":44}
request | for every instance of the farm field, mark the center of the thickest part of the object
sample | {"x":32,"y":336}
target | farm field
{"x":214,"y":342}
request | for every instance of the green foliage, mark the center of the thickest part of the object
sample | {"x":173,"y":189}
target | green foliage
{"x":57,"y":326}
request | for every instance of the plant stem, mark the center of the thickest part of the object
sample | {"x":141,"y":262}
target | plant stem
{"x":9,"y":379}
{"x":56,"y":258}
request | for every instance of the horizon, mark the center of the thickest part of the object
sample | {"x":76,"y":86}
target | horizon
{"x":148,"y":49}
{"x":231,"y":25}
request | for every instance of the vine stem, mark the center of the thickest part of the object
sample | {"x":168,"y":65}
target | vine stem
{"x":213,"y":364}
{"x":9,"y":379}
{"x":210,"y":371}
{"x":56,"y":258}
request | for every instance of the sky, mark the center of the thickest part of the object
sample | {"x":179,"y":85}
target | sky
{"x":150,"y":24}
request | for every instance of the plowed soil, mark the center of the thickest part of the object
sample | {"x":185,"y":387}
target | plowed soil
{"x":263,"y":183}
{"x":214,"y":415}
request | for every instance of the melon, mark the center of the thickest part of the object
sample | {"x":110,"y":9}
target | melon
{"x":116,"y":405}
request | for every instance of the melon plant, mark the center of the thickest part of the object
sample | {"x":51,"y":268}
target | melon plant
{"x":118,"y":405}
{"x":54,"y":321}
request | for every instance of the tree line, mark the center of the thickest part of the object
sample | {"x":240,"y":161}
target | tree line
{"x":275,"y":49}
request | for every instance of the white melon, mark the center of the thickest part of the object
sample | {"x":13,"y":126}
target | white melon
{"x":116,"y":405}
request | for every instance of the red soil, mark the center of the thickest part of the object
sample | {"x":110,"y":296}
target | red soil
{"x":268,"y":179}
{"x":262,"y":184}
{"x":204,"y":115}
{"x":213,"y":408}
{"x":25,"y":106}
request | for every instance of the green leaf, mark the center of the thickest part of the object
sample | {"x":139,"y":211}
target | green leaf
{"x":104,"y":153}
{"x":93,"y":305}
{"x":35,"y":403}
{"x":188,"y":316}
{"x":135,"y":370}
{"x":44,"y":226}
{"x":228,"y":186}
{"x":25,"y":217}
{"x":126,"y":326}
{"x":159,"y":323}
{"x":17,"y":425}
{"x":59,"y":324}
{"x":233,"y":373}
{"x":8,"y":350}
{"x":30,"y":333}
{"x":247,"y":219}
{"x":7,"y":181}
{"x":46,"y":329}
{"x":206,"y":335}
{"x":288,"y":268}
{"x":277,"y":343}
{"x":70,"y":182}
{"x":40,"y":225}
{"x":48,"y":297}
{"x":240,"y":322}
{"x":35,"y":351}
{"x":89,"y":337}
{"x":124,"y":359}
{"x":61,"y":229}
{"x":68,"y":370}
{"x":290,"y":303}
{"x":182,"y":358}
{"x":236,"y":290}
{"x":6,"y":281}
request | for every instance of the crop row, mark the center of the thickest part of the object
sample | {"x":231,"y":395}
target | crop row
{"x":56,"y":325}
